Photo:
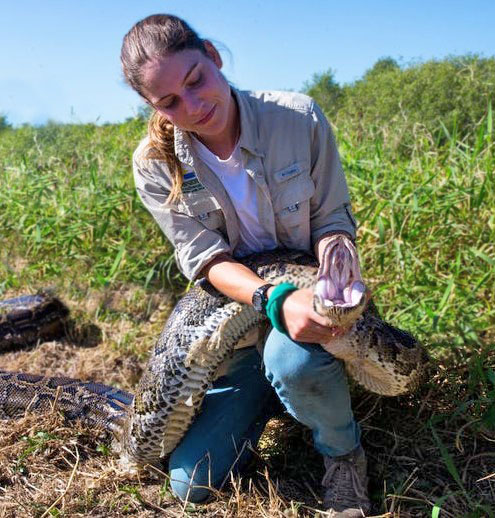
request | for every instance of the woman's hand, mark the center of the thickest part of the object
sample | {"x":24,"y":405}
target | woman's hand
{"x":238,"y":282}
{"x":302,"y":322}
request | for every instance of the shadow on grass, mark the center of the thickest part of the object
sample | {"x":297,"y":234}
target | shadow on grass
{"x":84,"y":334}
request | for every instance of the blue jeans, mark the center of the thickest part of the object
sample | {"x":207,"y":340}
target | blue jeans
{"x":310,"y":383}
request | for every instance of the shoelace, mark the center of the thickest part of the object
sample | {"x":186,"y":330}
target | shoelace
{"x":344,"y":466}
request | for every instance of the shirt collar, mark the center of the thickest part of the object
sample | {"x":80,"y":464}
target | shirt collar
{"x":248,"y":138}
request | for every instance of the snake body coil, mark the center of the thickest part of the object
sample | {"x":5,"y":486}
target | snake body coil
{"x":26,"y":319}
{"x":200,"y":335}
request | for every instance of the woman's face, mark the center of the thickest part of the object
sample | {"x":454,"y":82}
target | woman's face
{"x":189,"y":90}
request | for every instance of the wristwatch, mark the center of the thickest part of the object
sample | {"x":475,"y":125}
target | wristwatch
{"x":260,"y":299}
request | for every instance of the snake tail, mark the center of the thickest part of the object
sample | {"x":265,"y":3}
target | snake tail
{"x":93,"y":403}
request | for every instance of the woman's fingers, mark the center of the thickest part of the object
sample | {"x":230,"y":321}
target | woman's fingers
{"x":321,"y":334}
{"x":302,"y":322}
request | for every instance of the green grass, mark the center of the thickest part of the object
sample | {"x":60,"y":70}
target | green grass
{"x":427,"y":235}
{"x":69,"y":214}
{"x":68,"y":209}
{"x":70,"y":219}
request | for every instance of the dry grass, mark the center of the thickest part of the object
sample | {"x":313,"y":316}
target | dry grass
{"x":423,"y":449}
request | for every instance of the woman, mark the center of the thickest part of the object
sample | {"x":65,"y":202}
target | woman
{"x":226,"y":173}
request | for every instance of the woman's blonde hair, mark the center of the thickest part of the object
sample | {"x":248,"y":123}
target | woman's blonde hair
{"x":154,"y":37}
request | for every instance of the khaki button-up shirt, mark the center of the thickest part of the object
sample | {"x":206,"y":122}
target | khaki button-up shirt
{"x":287,"y":148}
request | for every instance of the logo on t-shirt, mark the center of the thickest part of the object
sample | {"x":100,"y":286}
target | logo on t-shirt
{"x":190,"y":182}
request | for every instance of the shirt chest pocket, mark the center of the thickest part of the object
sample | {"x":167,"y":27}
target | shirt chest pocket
{"x":291,"y":194}
{"x":204,"y":208}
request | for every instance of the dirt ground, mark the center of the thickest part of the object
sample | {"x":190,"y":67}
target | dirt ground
{"x":423,"y":449}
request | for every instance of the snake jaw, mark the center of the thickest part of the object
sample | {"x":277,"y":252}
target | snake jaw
{"x":340,"y":294}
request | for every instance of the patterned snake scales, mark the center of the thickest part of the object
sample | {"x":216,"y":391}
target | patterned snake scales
{"x":200,"y":335}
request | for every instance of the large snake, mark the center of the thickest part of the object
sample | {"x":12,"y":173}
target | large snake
{"x":201,"y":334}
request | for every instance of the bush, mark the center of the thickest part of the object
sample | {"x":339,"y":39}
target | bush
{"x":4,"y":123}
{"x":438,"y":99}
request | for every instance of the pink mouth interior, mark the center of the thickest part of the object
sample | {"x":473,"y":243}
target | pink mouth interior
{"x":340,"y":282}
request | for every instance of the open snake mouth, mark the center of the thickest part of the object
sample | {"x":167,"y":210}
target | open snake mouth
{"x":340,"y":293}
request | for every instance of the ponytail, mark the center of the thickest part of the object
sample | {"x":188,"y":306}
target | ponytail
{"x":161,"y":146}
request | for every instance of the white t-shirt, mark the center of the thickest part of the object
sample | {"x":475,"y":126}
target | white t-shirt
{"x":241,"y":189}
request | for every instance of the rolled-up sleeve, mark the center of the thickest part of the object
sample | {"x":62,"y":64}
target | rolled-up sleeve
{"x":195,"y":245}
{"x":330,"y":205}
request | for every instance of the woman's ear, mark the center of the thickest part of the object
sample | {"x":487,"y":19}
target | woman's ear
{"x":213,"y":53}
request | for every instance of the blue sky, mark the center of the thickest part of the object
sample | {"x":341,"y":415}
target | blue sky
{"x":60,"y":58}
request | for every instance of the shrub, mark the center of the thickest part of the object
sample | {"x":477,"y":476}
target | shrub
{"x":4,"y":123}
{"x":438,"y":99}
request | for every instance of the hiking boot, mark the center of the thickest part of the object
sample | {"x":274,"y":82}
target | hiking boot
{"x":345,"y":483}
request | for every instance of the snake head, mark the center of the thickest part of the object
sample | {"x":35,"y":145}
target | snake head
{"x":340,"y":294}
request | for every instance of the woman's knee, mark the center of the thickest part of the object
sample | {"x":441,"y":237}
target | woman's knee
{"x":286,"y":361}
{"x":296,"y":364}
{"x":193,"y":487}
